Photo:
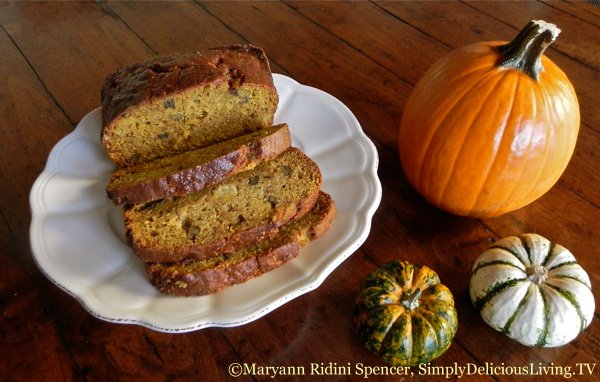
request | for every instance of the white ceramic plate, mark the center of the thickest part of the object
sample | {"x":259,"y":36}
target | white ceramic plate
{"x":78,"y":239}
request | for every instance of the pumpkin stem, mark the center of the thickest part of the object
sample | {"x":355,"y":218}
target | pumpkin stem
{"x":525,"y":51}
{"x":537,"y":274}
{"x":410,"y":300}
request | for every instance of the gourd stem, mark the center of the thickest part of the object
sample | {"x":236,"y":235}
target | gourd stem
{"x":525,"y":51}
{"x":537,"y":274}
{"x":411,"y":300}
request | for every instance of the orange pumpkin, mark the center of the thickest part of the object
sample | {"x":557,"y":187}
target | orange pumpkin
{"x":491,"y":126}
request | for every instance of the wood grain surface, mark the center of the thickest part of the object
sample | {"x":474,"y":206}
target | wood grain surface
{"x":54,"y":57}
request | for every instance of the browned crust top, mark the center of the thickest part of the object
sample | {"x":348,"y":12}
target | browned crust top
{"x":161,"y":76}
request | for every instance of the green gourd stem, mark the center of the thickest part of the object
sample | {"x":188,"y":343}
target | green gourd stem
{"x":411,"y":300}
{"x":525,"y":51}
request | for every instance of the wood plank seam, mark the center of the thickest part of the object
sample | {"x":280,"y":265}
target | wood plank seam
{"x":39,"y":79}
{"x":551,"y":5}
{"x":105,"y":8}
{"x":552,"y":48}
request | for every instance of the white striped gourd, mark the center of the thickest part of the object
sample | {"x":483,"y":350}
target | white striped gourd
{"x":532,"y":290}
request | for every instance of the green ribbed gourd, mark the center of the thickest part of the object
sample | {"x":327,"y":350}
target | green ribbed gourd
{"x":532,"y":290}
{"x":405,"y":314}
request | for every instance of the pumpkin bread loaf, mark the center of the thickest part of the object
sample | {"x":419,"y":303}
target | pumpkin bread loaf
{"x":202,"y":277}
{"x":242,"y":210}
{"x":196,"y":169}
{"x":176,"y":103}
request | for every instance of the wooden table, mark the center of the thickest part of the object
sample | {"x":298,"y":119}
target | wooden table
{"x":54,"y":57}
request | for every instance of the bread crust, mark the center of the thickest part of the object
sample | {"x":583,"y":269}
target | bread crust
{"x":196,"y":177}
{"x":171,"y":281}
{"x":233,"y":69}
{"x":158,"y":78}
{"x":176,"y":279}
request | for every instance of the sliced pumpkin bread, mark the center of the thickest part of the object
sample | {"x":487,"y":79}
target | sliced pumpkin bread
{"x":242,"y":210}
{"x":196,"y":169}
{"x":175,"y":103}
{"x":202,"y":277}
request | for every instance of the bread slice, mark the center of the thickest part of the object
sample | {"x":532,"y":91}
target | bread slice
{"x":196,"y":169}
{"x":202,"y":277}
{"x":240,"y":211}
{"x":176,"y":103}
